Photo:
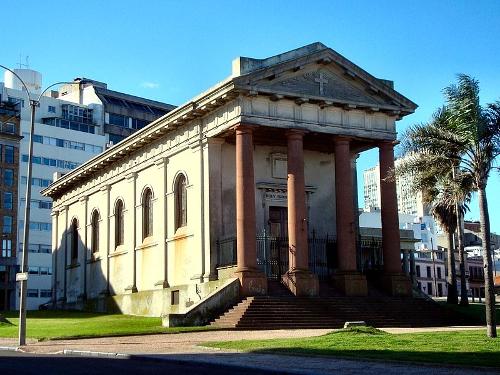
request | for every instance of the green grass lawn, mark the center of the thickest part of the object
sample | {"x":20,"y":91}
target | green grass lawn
{"x":470,"y":348}
{"x":47,"y":325}
{"x":475,"y":311}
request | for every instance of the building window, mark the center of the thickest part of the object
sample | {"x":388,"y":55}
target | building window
{"x":429,"y":289}
{"x":174,"y":297}
{"x":9,"y":154}
{"x":45,"y":293}
{"x":32,"y":293}
{"x":7,"y":224}
{"x":52,"y":109}
{"x":418,"y":271}
{"x":180,"y":202}
{"x":33,"y":270}
{"x":8,"y":177}
{"x":439,"y":272}
{"x":95,"y":231}
{"x":147,"y":213}
{"x":6,"y":248}
{"x":7,"y":200}
{"x":119,"y":232}
{"x":428,"y":271}
{"x":74,"y":241}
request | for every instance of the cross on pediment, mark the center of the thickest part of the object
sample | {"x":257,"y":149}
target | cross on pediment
{"x":321,"y":80}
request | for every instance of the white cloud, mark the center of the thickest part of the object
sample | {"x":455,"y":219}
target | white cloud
{"x":150,"y":85}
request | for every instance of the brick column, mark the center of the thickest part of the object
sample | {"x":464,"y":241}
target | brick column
{"x":298,"y":279}
{"x":395,"y":280}
{"x":347,"y":278}
{"x":252,"y":281}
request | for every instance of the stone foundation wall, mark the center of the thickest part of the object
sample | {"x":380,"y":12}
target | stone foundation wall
{"x":159,"y":303}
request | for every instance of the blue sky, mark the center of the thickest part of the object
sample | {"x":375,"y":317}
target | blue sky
{"x":170,"y":51}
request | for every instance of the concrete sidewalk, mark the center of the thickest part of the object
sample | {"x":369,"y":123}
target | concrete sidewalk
{"x":185,"y":347}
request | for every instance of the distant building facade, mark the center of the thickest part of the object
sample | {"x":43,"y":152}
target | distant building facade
{"x":408,"y":202}
{"x":9,"y":172}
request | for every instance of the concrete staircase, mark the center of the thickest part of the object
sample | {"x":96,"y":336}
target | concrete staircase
{"x":284,"y":311}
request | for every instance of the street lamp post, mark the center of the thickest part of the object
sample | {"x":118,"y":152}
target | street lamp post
{"x":34,"y":103}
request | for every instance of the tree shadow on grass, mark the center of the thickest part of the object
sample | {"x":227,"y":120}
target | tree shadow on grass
{"x":481,"y":358}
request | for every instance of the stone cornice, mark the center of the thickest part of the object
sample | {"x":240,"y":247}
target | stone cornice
{"x":199,"y":106}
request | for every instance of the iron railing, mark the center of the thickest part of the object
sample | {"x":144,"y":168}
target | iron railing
{"x":273,"y":255}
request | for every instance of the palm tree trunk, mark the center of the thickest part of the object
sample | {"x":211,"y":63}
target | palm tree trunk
{"x":452,"y":296}
{"x":464,"y":298}
{"x":489,"y":296}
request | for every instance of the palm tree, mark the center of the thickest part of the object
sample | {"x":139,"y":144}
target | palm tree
{"x":479,"y":130}
{"x":437,"y":191}
{"x":432,"y":166}
{"x":464,"y":137}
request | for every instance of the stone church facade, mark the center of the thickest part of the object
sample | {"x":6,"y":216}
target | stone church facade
{"x":180,"y":215}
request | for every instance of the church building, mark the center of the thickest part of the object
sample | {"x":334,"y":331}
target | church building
{"x":250,"y":183}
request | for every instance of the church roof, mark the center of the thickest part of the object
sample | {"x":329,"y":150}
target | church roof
{"x":273,"y":76}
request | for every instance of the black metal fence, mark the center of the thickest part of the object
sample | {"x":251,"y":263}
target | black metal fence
{"x":273,"y":255}
{"x":371,"y":255}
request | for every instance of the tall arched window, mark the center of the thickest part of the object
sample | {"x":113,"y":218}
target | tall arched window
{"x":119,"y":228}
{"x":180,"y":202}
{"x":74,"y":240}
{"x":147,"y":213}
{"x":95,"y":231}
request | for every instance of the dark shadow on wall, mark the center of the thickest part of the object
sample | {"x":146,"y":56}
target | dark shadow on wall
{"x":80,"y":277}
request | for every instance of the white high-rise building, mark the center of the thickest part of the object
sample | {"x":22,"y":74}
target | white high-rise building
{"x":72,"y":125}
{"x":408,"y":202}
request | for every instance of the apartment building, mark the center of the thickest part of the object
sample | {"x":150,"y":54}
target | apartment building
{"x":72,"y":125}
{"x":9,"y":159}
{"x":408,"y":202}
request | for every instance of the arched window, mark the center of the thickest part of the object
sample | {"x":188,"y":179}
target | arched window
{"x":147,"y":213}
{"x":74,"y":240}
{"x":95,"y":231}
{"x":119,"y":232}
{"x":180,"y":202}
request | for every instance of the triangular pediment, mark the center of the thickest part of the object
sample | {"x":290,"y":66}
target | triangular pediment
{"x":323,"y":83}
{"x":324,"y":75}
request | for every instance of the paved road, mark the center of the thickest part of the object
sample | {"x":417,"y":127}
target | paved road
{"x":224,"y":363}
{"x":33,"y":364}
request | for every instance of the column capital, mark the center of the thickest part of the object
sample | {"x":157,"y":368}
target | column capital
{"x":242,"y":128}
{"x":342,"y":139}
{"x":131,"y":176}
{"x":387,"y":144}
{"x":295,"y":133}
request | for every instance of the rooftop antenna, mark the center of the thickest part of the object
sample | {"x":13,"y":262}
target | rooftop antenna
{"x":26,"y":59}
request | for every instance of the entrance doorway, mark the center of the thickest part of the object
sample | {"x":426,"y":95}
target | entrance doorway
{"x":272,"y":248}
{"x":278,"y":222}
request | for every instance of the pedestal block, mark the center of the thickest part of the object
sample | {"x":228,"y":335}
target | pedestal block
{"x":252,"y":283}
{"x":397,"y":284}
{"x":301,"y":283}
{"x":351,"y":283}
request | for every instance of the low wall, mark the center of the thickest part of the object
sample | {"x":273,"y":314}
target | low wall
{"x":211,"y":306}
{"x":159,"y":303}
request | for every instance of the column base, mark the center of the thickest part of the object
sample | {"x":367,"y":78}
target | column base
{"x":252,"y":283}
{"x":301,"y":283}
{"x":162,"y":284}
{"x":397,"y":284}
{"x":130,"y":289}
{"x":351,"y":283}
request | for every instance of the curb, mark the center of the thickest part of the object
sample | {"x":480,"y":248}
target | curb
{"x":89,"y":353}
{"x":10,"y":348}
